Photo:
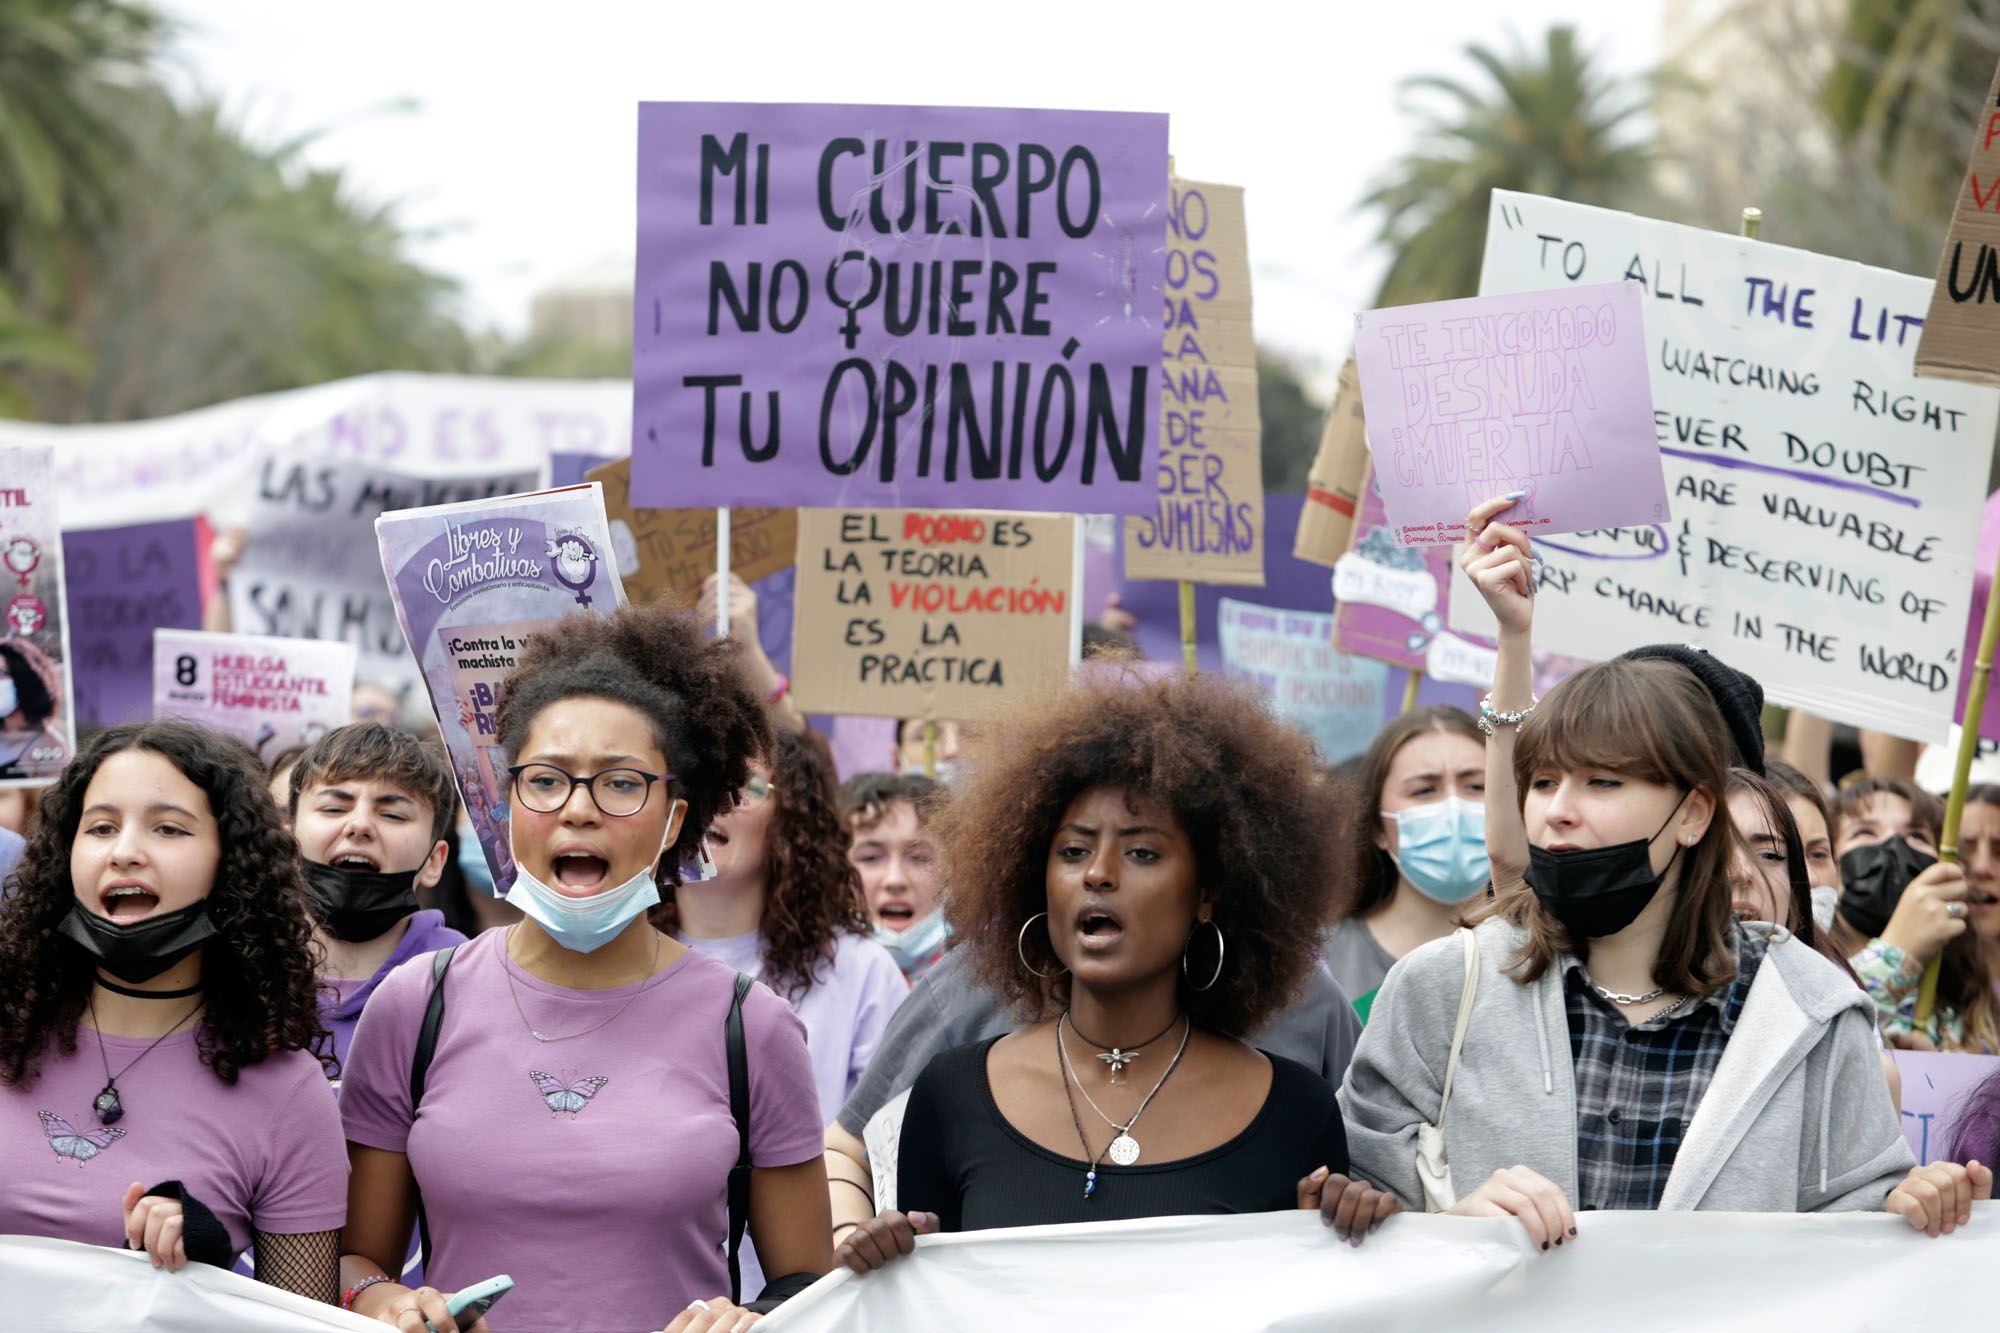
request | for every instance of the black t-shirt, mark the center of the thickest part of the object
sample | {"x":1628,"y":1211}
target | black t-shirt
{"x":960,"y":1158}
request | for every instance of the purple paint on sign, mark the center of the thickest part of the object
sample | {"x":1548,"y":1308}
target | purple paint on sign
{"x":123,"y":584}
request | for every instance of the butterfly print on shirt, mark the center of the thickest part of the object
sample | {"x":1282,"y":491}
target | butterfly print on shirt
{"x":80,"y":1148}
{"x":565,"y":1098}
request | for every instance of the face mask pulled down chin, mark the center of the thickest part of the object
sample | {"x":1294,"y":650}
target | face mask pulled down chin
{"x":1598,"y":891}
{"x":585,"y":925}
{"x":357,"y":905}
{"x":920,"y":941}
{"x":137,"y":951}
{"x":1872,"y":880}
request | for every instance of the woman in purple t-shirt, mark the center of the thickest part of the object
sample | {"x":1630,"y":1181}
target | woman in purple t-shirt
{"x":157,"y":1016}
{"x":575,"y":1130}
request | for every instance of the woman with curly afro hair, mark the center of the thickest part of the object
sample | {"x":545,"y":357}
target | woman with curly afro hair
{"x":158,"y":1020}
{"x":1143,"y":870}
{"x":574,"y":1128}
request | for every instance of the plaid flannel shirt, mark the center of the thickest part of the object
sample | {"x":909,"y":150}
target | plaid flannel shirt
{"x":1637,"y":1086}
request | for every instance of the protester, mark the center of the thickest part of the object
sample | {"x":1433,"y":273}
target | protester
{"x":279,"y":779}
{"x":30,"y":696}
{"x":575,"y":1128}
{"x":1418,"y":847}
{"x":1767,"y":867}
{"x":158,"y":1020}
{"x":372,"y":701}
{"x":1136,"y":913}
{"x":891,"y":849}
{"x":1810,"y":812}
{"x":372,"y":809}
{"x":1713,"y":1065}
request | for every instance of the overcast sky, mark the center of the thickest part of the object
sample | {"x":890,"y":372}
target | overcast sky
{"x":515,"y":157}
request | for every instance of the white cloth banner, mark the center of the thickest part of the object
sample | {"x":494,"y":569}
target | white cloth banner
{"x":59,"y":1286}
{"x":1270,"y":1271}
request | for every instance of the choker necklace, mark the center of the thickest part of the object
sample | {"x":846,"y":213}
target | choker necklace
{"x":1117,"y":1057}
{"x":1616,"y":998}
{"x":1123,"y":1148}
{"x":110,"y":1110}
{"x":182,"y":994}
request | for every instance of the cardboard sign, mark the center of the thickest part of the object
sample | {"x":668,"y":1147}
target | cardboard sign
{"x":668,"y":552}
{"x":1826,"y":502}
{"x":927,"y":614}
{"x":883,"y":306}
{"x":1936,"y":1090}
{"x":38,"y":729}
{"x":271,"y":694}
{"x":1208,"y":524}
{"x":1961,"y":338}
{"x":1391,"y":600}
{"x":1336,"y":699}
{"x":1541,"y":391}
{"x":472,"y":583}
{"x":124,"y":583}
{"x":1333,"y":485}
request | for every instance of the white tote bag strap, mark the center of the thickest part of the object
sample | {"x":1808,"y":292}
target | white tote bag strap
{"x":1433,"y":1163}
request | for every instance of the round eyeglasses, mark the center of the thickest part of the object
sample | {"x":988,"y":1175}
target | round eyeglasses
{"x":618,"y":792}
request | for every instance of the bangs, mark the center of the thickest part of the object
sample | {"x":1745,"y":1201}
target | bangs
{"x":1643,"y":719}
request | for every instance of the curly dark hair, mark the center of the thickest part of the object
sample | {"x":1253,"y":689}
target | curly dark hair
{"x":706,"y":720}
{"x":812,"y":894}
{"x":31,"y":693}
{"x":1264,"y":821}
{"x":257,"y":970}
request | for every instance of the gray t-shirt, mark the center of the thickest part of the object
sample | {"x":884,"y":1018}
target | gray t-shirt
{"x":1357,"y":959}
{"x":946,"y":1009}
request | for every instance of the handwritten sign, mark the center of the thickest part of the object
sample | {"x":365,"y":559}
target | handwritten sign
{"x":1390,"y":603}
{"x":1826,"y":502}
{"x":1961,"y":338}
{"x":1334,"y":482}
{"x":37,"y":726}
{"x":1541,"y":391}
{"x":668,"y":552}
{"x":929,"y":614}
{"x":1336,"y":699}
{"x":472,"y":584}
{"x":123,"y":584}
{"x":881,"y":306}
{"x":1936,"y":1090}
{"x":1208,"y":524}
{"x":271,"y":694}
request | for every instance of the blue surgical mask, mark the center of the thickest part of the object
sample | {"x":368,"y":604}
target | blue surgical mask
{"x":911,"y":947}
{"x":584,"y":925}
{"x":472,"y":863}
{"x":1441,"y":848}
{"x":10,"y":696}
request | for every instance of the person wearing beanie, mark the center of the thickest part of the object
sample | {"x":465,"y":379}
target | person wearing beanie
{"x":1738,"y":697}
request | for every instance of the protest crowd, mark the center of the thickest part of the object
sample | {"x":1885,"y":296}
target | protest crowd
{"x":537,"y":892}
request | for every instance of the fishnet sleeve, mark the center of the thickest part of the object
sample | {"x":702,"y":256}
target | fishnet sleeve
{"x":307,"y":1265}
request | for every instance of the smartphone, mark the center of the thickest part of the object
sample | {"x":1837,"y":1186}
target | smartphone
{"x":472,"y":1302}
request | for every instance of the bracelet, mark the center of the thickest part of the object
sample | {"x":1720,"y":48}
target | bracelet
{"x":784,"y":688}
{"x":866,"y":1192}
{"x":347,"y":1297}
{"x":1490,"y":717}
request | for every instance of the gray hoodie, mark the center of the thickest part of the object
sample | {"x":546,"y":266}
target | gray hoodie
{"x":1796,"y":1119}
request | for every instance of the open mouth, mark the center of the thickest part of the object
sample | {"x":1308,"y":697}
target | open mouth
{"x":896,"y":916}
{"x":1098,"y":928}
{"x":579,"y":873}
{"x":1981,"y":898}
{"x":129,"y":902}
{"x":356,"y":861}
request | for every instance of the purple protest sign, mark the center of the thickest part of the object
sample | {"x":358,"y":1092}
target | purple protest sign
{"x":1936,"y":1090}
{"x":1544,"y":392}
{"x":123,"y":584}
{"x":1982,"y":587}
{"x":885,"y":307}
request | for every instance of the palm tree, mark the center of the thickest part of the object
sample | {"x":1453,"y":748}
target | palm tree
{"x":1551,"y":124}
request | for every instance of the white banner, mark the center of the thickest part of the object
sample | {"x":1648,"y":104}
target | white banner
{"x":59,"y":1286}
{"x":1825,"y":502}
{"x":1631,"y":1272}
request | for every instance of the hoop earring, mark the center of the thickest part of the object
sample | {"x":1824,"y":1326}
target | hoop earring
{"x":1021,"y":950}
{"x":1220,"y":949}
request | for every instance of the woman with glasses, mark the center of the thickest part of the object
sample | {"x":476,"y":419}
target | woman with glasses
{"x":574,"y":1129}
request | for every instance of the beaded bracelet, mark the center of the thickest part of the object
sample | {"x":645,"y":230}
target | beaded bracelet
{"x":1489,"y":716}
{"x":347,"y":1297}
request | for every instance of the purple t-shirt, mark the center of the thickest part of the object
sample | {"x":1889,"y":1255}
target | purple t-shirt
{"x":427,"y":934}
{"x":592,"y":1170}
{"x":264,"y":1155}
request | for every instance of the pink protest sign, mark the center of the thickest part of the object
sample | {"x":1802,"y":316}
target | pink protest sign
{"x":1544,"y":392}
{"x":1936,"y":1092}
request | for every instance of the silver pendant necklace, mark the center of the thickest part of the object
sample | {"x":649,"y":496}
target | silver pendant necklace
{"x":1117,"y":1057}
{"x":1616,"y":998}
{"x":1124,"y":1148}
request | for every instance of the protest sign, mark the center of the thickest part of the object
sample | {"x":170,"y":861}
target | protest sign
{"x":1336,"y":699}
{"x":1936,"y":1091}
{"x":1826,"y":502}
{"x":668,"y":552}
{"x":1541,"y":391}
{"x":472,"y":584}
{"x":878,"y":306}
{"x":270,"y":693}
{"x":929,"y":614}
{"x":1208,"y":524}
{"x":1961,"y":338}
{"x":1390,"y":603}
{"x":307,"y":570}
{"x":37,"y":728}
{"x":1333,"y":484}
{"x":123,"y":584}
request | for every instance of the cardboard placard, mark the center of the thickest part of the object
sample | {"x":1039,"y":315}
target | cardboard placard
{"x":1208,"y":524}
{"x":124,"y":583}
{"x":1333,"y":485}
{"x":38,"y":731}
{"x":668,"y":552}
{"x":879,"y":306}
{"x":1336,"y":699}
{"x":1961,"y":338}
{"x":269,"y":693}
{"x":927,"y":613}
{"x":1390,"y":603}
{"x":1826,"y":502}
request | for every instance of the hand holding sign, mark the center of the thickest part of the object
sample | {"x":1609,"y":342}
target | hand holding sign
{"x":1500,"y":563}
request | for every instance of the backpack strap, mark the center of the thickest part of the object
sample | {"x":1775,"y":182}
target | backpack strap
{"x":739,"y":1110}
{"x":420,"y":1067}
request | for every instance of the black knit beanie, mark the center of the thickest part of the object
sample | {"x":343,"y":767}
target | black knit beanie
{"x":1738,"y":697}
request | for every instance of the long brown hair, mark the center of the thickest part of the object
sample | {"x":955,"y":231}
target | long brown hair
{"x":1648,"y":719}
{"x":1374,"y":874}
{"x":1965,"y":983}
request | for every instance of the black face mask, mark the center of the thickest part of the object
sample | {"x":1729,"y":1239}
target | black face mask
{"x":139,"y":951}
{"x":357,"y":905}
{"x":1872,"y":880}
{"x":1598,"y":891}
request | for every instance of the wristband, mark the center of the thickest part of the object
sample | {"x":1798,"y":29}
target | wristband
{"x":784,"y":688}
{"x":347,"y":1297}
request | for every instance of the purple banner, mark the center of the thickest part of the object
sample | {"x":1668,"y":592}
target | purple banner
{"x":880,"y":306}
{"x":123,"y":584}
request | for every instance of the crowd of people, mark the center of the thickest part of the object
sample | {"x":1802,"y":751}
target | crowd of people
{"x":1133,"y":950}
